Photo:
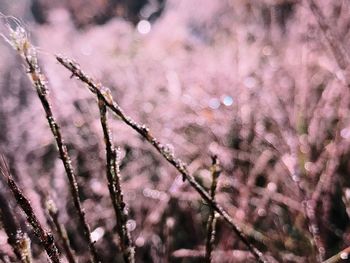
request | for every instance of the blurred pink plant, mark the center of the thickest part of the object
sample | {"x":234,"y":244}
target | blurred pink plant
{"x":253,"y":82}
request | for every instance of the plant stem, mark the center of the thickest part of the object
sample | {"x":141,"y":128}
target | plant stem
{"x":114,"y":186}
{"x":338,"y":49}
{"x":61,"y":231}
{"x":181,"y":167}
{"x":45,"y":237}
{"x":339,"y":257}
{"x":19,"y":41}
{"x":211,"y":225}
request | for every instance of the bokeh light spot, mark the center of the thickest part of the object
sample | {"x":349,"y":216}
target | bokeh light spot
{"x":227,"y":100}
{"x":143,"y":27}
{"x":97,"y":234}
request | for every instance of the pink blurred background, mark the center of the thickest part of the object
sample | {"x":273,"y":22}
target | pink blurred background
{"x":254,"y":82}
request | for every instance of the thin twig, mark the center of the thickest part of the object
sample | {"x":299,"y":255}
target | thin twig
{"x":114,"y":186}
{"x":211,"y":224}
{"x":341,"y":256}
{"x":61,"y":231}
{"x":18,"y":240}
{"x":342,"y":57}
{"x":191,"y":255}
{"x":309,"y":208}
{"x":18,"y":39}
{"x":181,"y":167}
{"x":45,"y":237}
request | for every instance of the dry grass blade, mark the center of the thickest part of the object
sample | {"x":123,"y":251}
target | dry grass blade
{"x":46,"y":238}
{"x":106,"y":96}
{"x":342,"y":256}
{"x":115,"y":190}
{"x":190,"y":255}
{"x":61,"y":231}
{"x":211,"y":225}
{"x":340,"y":53}
{"x":18,"y":240}
{"x":18,"y":39}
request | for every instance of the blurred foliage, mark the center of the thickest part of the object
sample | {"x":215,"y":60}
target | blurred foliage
{"x":251,"y":81}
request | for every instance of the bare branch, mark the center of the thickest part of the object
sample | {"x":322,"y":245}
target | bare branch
{"x":339,"y":257}
{"x":18,"y":240}
{"x":45,"y":237}
{"x":106,"y":96}
{"x":61,"y":231}
{"x":115,"y":190}
{"x":340,"y":53}
{"x":19,"y":40}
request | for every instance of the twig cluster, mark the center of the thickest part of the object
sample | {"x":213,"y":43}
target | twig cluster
{"x":61,"y":231}
{"x":115,"y":190}
{"x":105,"y":94}
{"x":18,"y":240}
{"x":328,"y":163}
{"x":45,"y":237}
{"x":18,"y":39}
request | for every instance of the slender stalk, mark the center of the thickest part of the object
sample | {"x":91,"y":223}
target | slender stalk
{"x":16,"y":238}
{"x":18,"y":39}
{"x":342,"y":256}
{"x":45,"y":237}
{"x":309,"y":208}
{"x":339,"y":51}
{"x":61,"y":231}
{"x":342,"y":58}
{"x":114,"y":186}
{"x":181,"y":167}
{"x":211,"y":225}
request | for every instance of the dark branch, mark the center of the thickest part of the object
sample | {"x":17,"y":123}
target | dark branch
{"x":22,"y":45}
{"x":115,"y":191}
{"x":45,"y":237}
{"x":106,"y":96}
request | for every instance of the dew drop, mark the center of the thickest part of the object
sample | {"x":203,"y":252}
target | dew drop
{"x":140,"y":241}
{"x":227,"y":100}
{"x":131,"y":225}
{"x":143,"y":27}
{"x":168,"y":149}
{"x":97,"y":234}
{"x":344,"y":255}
